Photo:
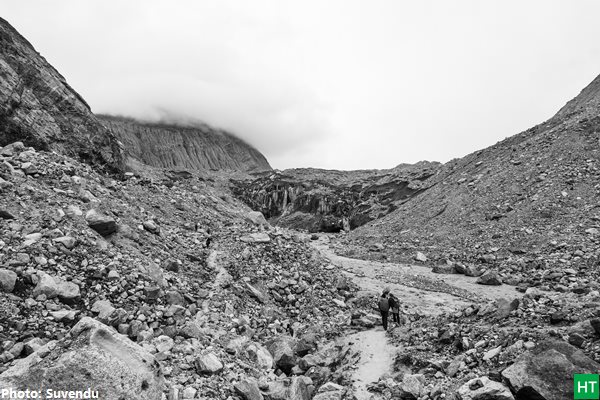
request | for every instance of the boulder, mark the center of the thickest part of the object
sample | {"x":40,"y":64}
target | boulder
{"x":208,"y":363}
{"x":420,"y":257}
{"x":444,"y":269}
{"x":259,"y":355}
{"x":8,"y":280}
{"x":484,"y":389}
{"x":67,"y":241}
{"x":256,"y":293}
{"x":258,"y":237}
{"x":257,"y":218}
{"x":67,"y":291}
{"x":248,"y":389}
{"x":46,"y":285}
{"x":100,"y":223}
{"x":92,"y":355}
{"x":281,"y":349}
{"x":505,"y":307}
{"x":412,"y":386}
{"x":547,"y":371}
{"x":596,"y":325}
{"x":489,"y":278}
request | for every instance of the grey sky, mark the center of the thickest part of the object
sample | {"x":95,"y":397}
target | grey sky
{"x":334,"y":84}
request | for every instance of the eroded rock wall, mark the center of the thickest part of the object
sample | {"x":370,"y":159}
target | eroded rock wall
{"x":39,"y":108}
{"x":196,"y":148}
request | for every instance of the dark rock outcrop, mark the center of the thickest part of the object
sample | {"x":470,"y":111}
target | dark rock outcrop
{"x":330,"y":201}
{"x":547,"y":372}
{"x":39,"y":108}
{"x":173,"y":146}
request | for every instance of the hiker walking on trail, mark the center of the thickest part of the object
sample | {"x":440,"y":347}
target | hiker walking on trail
{"x":395,"y":308}
{"x":384,"y":308}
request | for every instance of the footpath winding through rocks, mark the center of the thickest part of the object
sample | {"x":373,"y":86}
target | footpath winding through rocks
{"x":420,"y":292}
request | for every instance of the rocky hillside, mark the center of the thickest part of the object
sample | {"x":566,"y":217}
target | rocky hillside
{"x":206,"y":301}
{"x":330,"y":201}
{"x":39,"y":108}
{"x":183,"y":147}
{"x":528,"y":206}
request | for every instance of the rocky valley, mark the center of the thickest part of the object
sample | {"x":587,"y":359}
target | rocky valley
{"x":157,"y":261}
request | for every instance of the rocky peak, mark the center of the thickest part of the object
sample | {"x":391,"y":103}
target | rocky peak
{"x":39,"y":108}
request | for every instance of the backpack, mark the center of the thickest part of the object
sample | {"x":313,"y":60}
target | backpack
{"x":384,"y":304}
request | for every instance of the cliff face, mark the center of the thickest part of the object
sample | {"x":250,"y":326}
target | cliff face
{"x":39,"y":108}
{"x":330,"y":201}
{"x":196,"y":148}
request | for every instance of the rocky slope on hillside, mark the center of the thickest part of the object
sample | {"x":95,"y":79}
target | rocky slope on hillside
{"x":330,"y":201}
{"x":527,"y":206}
{"x":211,"y":302}
{"x":184,"y":147}
{"x":39,"y":108}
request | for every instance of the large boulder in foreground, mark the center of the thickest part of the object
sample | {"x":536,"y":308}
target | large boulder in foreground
{"x":547,"y":371}
{"x":92,"y":355}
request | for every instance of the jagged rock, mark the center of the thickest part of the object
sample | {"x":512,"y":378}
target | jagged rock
{"x":67,"y":291}
{"x":7,"y":280}
{"x":504,"y":307}
{"x":102,"y":224}
{"x":163,"y":343}
{"x":491,"y":353}
{"x":46,"y":285}
{"x":489,"y":278}
{"x":67,"y":241}
{"x":596,"y":325}
{"x":330,"y":391}
{"x":547,"y":371}
{"x":104,"y":309}
{"x":208,"y":363}
{"x":576,"y":339}
{"x":257,"y":218}
{"x":259,"y":355}
{"x":484,"y":389}
{"x":248,"y":389}
{"x":5,"y":214}
{"x":443,"y":269}
{"x":412,"y":386}
{"x":420,"y":257}
{"x":257,"y":294}
{"x":281,"y":349}
{"x":94,"y":355}
{"x":258,"y":237}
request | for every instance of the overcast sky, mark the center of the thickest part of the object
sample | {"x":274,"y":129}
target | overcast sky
{"x":332,"y":84}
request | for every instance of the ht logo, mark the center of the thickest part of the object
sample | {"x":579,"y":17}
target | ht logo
{"x":586,"y":386}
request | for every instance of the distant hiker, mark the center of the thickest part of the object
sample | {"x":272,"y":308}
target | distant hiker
{"x":395,"y":308}
{"x":384,"y":308}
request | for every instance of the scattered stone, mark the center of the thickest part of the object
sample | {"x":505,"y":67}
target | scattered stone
{"x":420,"y":257}
{"x":248,"y":389}
{"x":8,"y":280}
{"x":208,"y":363}
{"x":484,"y":389}
{"x":258,"y":237}
{"x":489,"y":278}
{"x":102,"y":224}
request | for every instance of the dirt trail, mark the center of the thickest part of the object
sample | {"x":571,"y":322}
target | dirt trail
{"x":419,"y":290}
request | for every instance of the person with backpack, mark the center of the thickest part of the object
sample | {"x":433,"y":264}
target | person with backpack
{"x":384,"y":308}
{"x":395,"y":308}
